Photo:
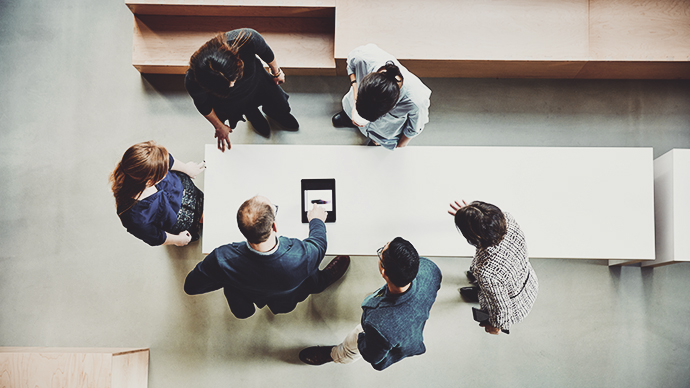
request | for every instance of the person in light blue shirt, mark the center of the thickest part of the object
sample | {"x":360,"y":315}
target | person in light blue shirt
{"x":387,"y":103}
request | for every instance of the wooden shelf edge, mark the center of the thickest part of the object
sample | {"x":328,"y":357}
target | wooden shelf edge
{"x":178,"y":69}
{"x":552,"y":69}
{"x":496,"y":69}
{"x":230,"y":10}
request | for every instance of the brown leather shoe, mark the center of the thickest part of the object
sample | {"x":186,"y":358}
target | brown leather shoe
{"x":335,"y":270}
{"x":316,"y":355}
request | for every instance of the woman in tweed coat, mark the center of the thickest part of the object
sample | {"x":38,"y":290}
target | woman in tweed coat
{"x":507,"y":284}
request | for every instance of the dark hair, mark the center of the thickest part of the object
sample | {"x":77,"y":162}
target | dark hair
{"x":400,"y":261}
{"x":255,"y":220}
{"x":482,"y":224}
{"x":216,"y":63}
{"x":141,"y":163}
{"x":378,"y":92}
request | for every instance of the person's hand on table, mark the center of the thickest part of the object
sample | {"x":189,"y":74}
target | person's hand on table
{"x":183,"y":238}
{"x":403,"y":141}
{"x":317,"y":212}
{"x":193,"y":169}
{"x":455,"y":206}
{"x":222,"y":132}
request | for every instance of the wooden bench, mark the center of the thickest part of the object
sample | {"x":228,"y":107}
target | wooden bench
{"x":437,"y":38}
{"x":74,"y":367}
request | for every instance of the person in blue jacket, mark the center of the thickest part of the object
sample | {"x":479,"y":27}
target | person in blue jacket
{"x":393,"y":317}
{"x":267,"y":269}
{"x":155,"y":197}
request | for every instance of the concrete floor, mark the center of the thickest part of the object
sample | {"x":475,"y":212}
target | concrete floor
{"x":70,"y":275}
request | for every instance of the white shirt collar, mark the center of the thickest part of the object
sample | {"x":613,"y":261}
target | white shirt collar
{"x":272,"y":251}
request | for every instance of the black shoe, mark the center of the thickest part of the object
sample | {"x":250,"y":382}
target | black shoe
{"x":334,"y":270}
{"x":258,"y":122}
{"x":287,"y":121}
{"x":341,"y":120}
{"x":470,"y":294}
{"x":316,"y":355}
{"x":470,"y":277}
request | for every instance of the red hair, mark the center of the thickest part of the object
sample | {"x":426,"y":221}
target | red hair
{"x":142,"y":165}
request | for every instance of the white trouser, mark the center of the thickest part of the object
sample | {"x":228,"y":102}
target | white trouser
{"x":347,"y":351}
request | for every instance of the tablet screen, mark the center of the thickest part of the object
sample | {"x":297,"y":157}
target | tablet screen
{"x":323,"y":198}
{"x":319,"y":192}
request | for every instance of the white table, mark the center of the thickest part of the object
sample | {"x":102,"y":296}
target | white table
{"x":672,"y":206}
{"x":590,"y":203}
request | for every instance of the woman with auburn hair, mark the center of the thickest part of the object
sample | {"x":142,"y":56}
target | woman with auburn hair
{"x":506,"y":284}
{"x":226,"y":81}
{"x":388,"y":104}
{"x":155,"y":206}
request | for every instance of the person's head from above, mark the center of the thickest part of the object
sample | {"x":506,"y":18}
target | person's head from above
{"x":481,"y":223}
{"x":256,"y":219}
{"x":143,"y":165}
{"x":398,"y":262}
{"x":216,"y":65}
{"x":378,"y":92}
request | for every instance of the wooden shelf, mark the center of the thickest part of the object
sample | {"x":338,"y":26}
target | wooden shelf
{"x":627,"y":39}
{"x":588,"y":39}
{"x":163,"y":44}
{"x":637,"y":30}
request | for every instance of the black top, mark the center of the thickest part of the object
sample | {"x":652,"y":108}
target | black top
{"x":255,"y":45}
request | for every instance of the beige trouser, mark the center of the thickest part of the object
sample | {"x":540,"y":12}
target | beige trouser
{"x":347,"y":351}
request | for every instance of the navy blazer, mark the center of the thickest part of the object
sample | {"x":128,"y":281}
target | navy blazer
{"x":394,"y":324}
{"x":279,"y":280}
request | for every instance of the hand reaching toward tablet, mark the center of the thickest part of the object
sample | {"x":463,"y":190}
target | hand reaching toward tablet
{"x":317,"y":212}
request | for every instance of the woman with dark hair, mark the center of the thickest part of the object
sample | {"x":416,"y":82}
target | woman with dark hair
{"x":387,"y":103}
{"x":506,"y":283}
{"x":155,"y":206}
{"x":226,"y":81}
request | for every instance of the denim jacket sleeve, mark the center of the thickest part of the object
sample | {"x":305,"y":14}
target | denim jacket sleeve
{"x":315,"y":245}
{"x":198,"y":281}
{"x":373,"y":346}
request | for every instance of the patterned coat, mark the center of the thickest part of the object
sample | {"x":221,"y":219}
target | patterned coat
{"x":507,"y":283}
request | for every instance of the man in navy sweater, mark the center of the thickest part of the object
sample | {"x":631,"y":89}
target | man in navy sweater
{"x":393,"y":317}
{"x":267,"y":269}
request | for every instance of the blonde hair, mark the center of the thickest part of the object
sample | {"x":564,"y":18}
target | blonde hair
{"x":141,"y":164}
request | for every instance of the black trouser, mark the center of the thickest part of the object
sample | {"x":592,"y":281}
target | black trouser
{"x":267,"y":95}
